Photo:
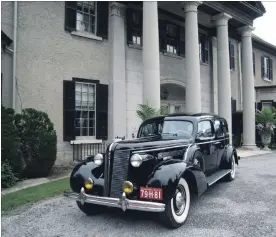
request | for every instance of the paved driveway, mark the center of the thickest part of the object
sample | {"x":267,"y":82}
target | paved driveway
{"x":244,"y":207}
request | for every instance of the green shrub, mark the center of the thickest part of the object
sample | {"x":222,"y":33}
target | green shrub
{"x":39,"y":142}
{"x":8,"y":178}
{"x":10,"y":140}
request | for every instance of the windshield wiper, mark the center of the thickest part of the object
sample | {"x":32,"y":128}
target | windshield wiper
{"x":170,"y":133}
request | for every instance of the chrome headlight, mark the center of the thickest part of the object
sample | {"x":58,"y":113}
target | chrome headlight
{"x":136,"y":160}
{"x":98,"y":159}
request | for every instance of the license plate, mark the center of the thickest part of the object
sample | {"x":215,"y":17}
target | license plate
{"x":151,"y":193}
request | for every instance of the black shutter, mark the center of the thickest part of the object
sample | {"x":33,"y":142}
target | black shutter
{"x":206,"y":49}
{"x":233,"y":104}
{"x":129,"y":14}
{"x":70,"y":16}
{"x":102,"y":112}
{"x":68,"y":110}
{"x":182,"y":42}
{"x":102,"y":19}
{"x":274,"y":105}
{"x":253,"y":56}
{"x":262,"y":66}
{"x":162,"y":35}
{"x":259,"y":106}
{"x":270,"y":69}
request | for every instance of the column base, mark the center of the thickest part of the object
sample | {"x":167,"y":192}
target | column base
{"x":252,"y":147}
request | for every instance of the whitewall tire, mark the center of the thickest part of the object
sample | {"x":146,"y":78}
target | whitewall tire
{"x":177,"y":208}
{"x":231,"y":175}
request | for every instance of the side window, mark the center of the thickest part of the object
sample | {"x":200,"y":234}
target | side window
{"x":219,"y":128}
{"x":225,"y":126}
{"x":205,"y":129}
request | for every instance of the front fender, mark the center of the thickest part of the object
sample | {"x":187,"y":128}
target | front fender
{"x":167,"y":177}
{"x":83,"y":171}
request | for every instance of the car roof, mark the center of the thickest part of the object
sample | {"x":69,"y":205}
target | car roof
{"x":184,"y":116}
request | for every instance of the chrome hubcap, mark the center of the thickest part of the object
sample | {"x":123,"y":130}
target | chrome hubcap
{"x":179,"y":201}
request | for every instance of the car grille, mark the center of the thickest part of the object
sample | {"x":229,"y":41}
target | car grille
{"x":119,"y":172}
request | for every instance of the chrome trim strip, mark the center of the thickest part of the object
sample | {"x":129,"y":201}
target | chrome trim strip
{"x":121,"y":202}
{"x":201,"y":143}
{"x":107,"y":175}
{"x":219,"y":177}
{"x":186,"y":152}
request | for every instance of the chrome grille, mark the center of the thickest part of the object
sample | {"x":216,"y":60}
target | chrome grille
{"x":119,"y":172}
{"x":106,"y":172}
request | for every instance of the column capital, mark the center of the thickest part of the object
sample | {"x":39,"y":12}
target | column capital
{"x":222,"y":19}
{"x":246,"y":31}
{"x":117,"y":9}
{"x":190,"y":6}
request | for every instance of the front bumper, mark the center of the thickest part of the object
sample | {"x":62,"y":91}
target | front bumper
{"x":122,"y":202}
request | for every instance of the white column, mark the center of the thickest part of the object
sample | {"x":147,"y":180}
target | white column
{"x":248,"y":90}
{"x":223,"y":67}
{"x":215,"y":74}
{"x":151,"y":60}
{"x":117,"y":83}
{"x":192,"y":64}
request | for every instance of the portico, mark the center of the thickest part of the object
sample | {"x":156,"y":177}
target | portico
{"x":220,"y":21}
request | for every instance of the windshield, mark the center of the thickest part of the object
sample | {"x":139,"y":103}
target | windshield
{"x":172,"y":129}
{"x":178,"y":128}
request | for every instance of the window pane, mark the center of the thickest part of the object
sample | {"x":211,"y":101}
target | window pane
{"x":86,"y":18}
{"x":92,"y":8}
{"x":85,"y":8}
{"x":77,"y":131}
{"x":84,"y":132}
{"x":77,"y":122}
{"x":78,"y":87}
{"x":92,"y":24}
{"x":91,"y":123}
{"x":84,"y":97}
{"x":92,"y":114}
{"x":91,"y":131}
{"x":84,"y":114}
{"x":91,"y":88}
{"x":79,"y":6}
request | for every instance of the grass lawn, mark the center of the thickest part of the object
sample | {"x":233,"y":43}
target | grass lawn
{"x":33,"y":194}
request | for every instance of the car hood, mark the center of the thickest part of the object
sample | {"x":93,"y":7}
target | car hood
{"x":152,"y":142}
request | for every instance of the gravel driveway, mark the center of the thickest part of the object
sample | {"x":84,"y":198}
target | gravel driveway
{"x":244,"y":207}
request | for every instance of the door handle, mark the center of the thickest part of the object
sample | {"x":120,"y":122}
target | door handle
{"x":216,"y":143}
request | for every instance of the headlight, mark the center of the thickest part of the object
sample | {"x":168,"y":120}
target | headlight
{"x":98,"y":159}
{"x":136,"y":160}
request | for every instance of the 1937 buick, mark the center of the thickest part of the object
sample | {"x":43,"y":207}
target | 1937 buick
{"x":172,"y":157}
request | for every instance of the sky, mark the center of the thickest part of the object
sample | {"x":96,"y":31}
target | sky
{"x":265,"y":26}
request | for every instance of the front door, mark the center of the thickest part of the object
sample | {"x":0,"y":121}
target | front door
{"x":170,"y":107}
{"x":206,"y":134}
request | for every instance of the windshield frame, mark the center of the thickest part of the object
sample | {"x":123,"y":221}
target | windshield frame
{"x":172,"y":135}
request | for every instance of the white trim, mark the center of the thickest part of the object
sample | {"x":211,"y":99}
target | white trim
{"x":86,"y":35}
{"x":86,"y":141}
{"x":164,"y":81}
{"x":267,"y":79}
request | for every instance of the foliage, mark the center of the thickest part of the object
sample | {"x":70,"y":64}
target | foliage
{"x":34,"y":194}
{"x":266,"y":120}
{"x":10,"y":140}
{"x":38,"y":142}
{"x":8,"y":178}
{"x":145,"y":111}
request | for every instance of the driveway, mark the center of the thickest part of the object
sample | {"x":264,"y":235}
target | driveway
{"x":244,"y":207}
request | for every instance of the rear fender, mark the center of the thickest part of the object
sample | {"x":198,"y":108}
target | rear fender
{"x":226,"y":159}
{"x":168,"y":175}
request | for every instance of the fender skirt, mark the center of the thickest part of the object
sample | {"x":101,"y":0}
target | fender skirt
{"x":167,"y":177}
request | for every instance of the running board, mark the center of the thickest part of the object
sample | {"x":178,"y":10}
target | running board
{"x":217,"y":176}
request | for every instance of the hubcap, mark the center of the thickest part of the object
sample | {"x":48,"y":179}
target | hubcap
{"x":179,"y":201}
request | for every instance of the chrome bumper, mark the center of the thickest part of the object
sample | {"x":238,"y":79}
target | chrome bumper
{"x":122,"y":202}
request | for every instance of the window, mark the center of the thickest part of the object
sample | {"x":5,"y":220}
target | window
{"x":85,"y":99}
{"x":253,"y":57}
{"x":267,"y":68}
{"x":232,"y":56}
{"x":85,"y":109}
{"x":153,"y":127}
{"x":172,"y":41}
{"x":134,"y":26}
{"x":267,"y":105}
{"x":86,"y":17}
{"x":203,"y":48}
{"x":177,"y":129}
{"x":219,"y":128}
{"x":205,"y":130}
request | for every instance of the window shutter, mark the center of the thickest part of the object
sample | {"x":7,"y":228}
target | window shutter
{"x":162,"y":35}
{"x":129,"y":13}
{"x":102,"y":112}
{"x":253,"y":56}
{"x":206,"y":49}
{"x":182,"y":41}
{"x":70,"y":16}
{"x":274,"y":104}
{"x":262,"y":66}
{"x":102,"y":19}
{"x":233,"y":104}
{"x":270,"y":69}
{"x":68,"y":110}
{"x":259,"y":106}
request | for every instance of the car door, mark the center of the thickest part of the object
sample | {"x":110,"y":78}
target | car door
{"x":219,"y":139}
{"x":205,"y":140}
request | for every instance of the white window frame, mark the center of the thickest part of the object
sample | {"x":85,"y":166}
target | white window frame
{"x":267,"y":103}
{"x":266,"y":68}
{"x":89,"y":26}
{"x":88,"y":110}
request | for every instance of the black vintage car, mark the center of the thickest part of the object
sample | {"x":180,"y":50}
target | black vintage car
{"x":172,"y":157}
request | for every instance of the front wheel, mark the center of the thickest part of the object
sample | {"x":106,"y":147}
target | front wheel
{"x":90,"y":209}
{"x":177,"y":208}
